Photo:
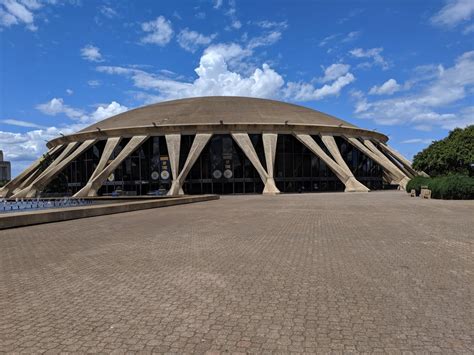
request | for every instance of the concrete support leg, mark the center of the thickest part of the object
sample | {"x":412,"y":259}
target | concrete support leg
{"x":269,"y":145}
{"x":199,"y":142}
{"x":401,"y":159}
{"x":104,"y":159}
{"x":173,"y":143}
{"x":31,"y":190}
{"x":395,"y":167}
{"x":26,"y":175}
{"x":100,"y":178}
{"x":33,"y":176}
{"x":352,"y":185}
{"x":397,"y":175}
{"x":244,"y":142}
{"x":349,"y":181}
{"x":41,"y":183}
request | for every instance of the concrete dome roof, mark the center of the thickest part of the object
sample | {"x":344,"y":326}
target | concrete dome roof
{"x":213,"y":109}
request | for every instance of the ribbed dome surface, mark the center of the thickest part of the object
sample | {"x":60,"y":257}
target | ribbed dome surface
{"x":213,"y":109}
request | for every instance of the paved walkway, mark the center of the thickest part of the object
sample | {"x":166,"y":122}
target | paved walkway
{"x":301,"y":273}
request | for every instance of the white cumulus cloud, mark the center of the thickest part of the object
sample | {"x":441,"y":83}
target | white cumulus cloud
{"x":214,"y":78}
{"x":56,"y":106}
{"x":218,"y":74}
{"x":388,"y":88}
{"x":91,"y":53}
{"x":159,"y":31}
{"x":192,"y":40}
{"x":104,"y":111}
{"x":334,"y":71}
{"x":307,"y":92}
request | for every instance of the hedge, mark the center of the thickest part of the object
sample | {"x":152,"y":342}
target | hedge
{"x":453,"y":187}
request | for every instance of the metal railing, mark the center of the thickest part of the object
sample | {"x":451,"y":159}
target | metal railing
{"x":20,"y":205}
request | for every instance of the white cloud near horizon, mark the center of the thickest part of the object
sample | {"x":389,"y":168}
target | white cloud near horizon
{"x":159,"y":31}
{"x":418,"y":141}
{"x":20,"y":123}
{"x":454,"y":13}
{"x":23,"y":148}
{"x":91,"y":53}
{"x":428,"y":106}
{"x":387,"y":88}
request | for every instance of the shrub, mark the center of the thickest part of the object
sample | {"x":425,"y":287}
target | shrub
{"x":456,"y":187}
{"x":452,"y":187}
{"x":416,"y":183}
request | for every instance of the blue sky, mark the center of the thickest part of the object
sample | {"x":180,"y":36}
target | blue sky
{"x":404,"y":68}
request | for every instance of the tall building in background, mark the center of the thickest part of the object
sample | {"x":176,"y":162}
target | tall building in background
{"x":5,"y":169}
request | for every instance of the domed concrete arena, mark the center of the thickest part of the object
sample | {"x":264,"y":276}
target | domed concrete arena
{"x":219,"y":145}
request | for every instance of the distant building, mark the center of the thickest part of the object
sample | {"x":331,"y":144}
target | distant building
{"x":5,"y":169}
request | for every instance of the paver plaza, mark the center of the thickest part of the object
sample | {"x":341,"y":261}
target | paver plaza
{"x":290,"y":273}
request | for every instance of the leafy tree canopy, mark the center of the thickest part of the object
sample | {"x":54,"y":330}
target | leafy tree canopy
{"x":451,"y":155}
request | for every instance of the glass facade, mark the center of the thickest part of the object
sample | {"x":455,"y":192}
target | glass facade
{"x":222,"y":168}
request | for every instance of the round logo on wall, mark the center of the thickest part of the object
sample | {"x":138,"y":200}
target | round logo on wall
{"x":165,"y":175}
{"x":228,"y":173}
{"x":111,"y":177}
{"x":217,"y":174}
{"x":155,"y":175}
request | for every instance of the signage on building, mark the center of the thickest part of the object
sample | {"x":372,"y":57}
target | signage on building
{"x":165,"y":168}
{"x":228,"y":166}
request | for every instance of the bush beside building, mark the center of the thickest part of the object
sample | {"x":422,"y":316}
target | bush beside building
{"x":449,"y":162}
{"x":452,"y":187}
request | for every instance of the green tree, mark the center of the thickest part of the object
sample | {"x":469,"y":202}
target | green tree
{"x":451,"y":155}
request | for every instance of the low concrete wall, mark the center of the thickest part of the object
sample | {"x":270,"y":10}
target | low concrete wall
{"x":21,"y":219}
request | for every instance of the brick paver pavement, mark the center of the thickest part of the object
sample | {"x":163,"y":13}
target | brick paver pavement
{"x":291,"y":273}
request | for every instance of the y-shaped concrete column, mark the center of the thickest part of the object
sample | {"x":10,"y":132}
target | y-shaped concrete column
{"x":269,"y":146}
{"x":344,"y":174}
{"x":401,"y":159}
{"x":199,"y":142}
{"x":25,"y":191}
{"x":39,"y":184}
{"x":353,"y":185}
{"x":398,"y":177}
{"x":104,"y":158}
{"x":173,"y":143}
{"x":22,"y":179}
{"x":100,"y":178}
{"x":244,"y":142}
